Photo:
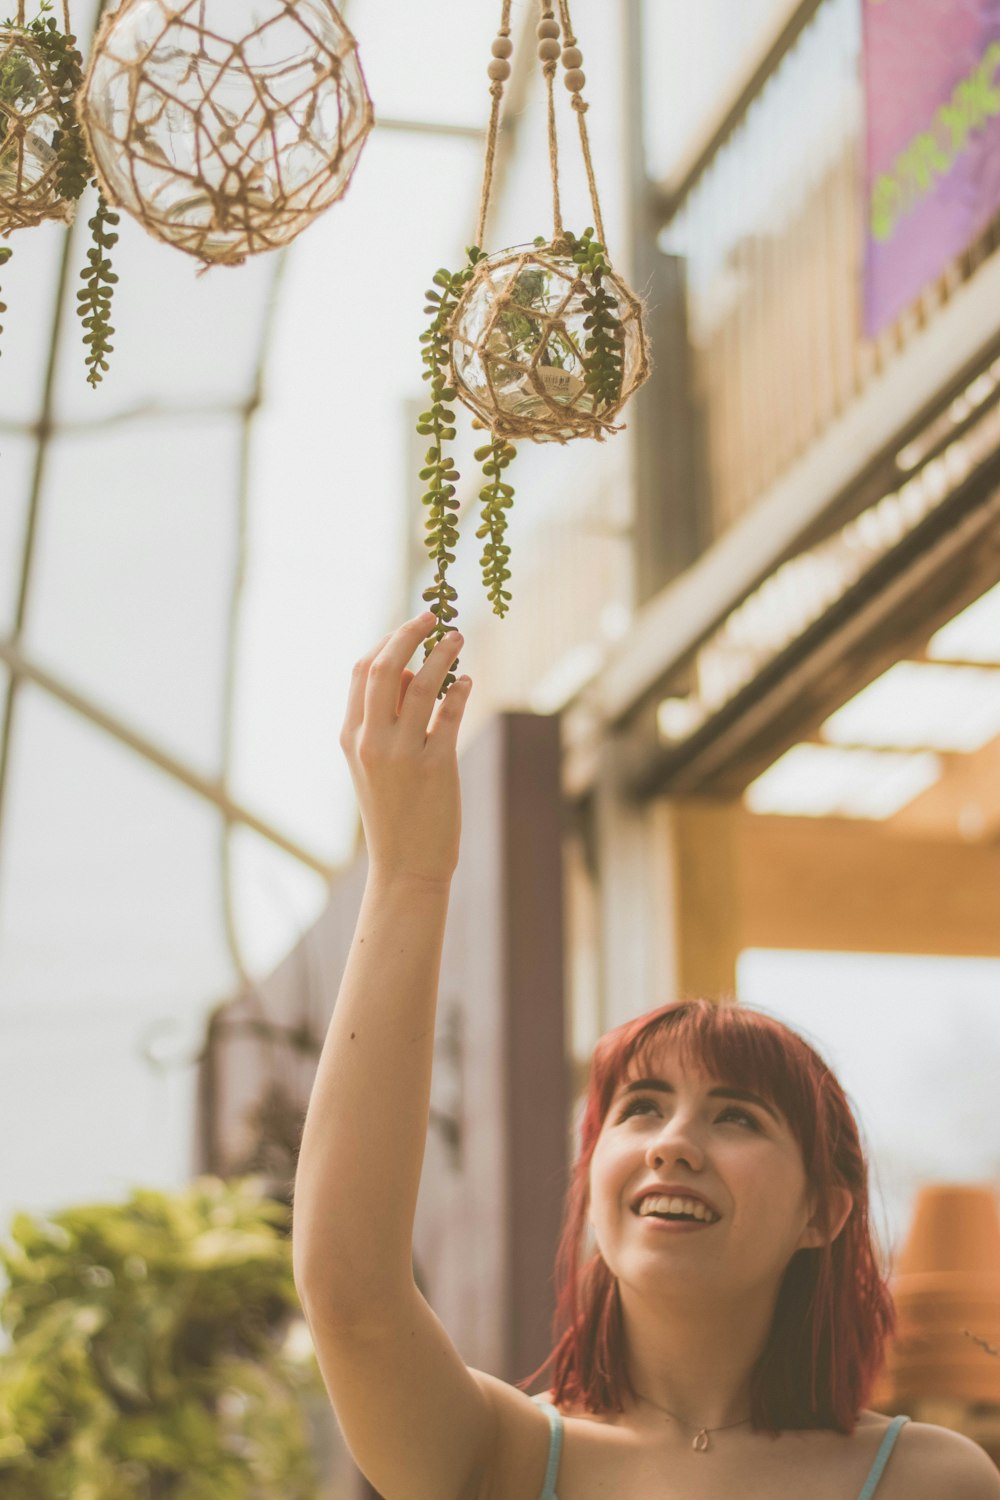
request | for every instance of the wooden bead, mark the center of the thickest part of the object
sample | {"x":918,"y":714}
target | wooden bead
{"x":547,"y":29}
{"x":575,"y":79}
{"x":572,"y":57}
{"x":548,"y":49}
{"x":503,"y":46}
{"x":499,"y":70}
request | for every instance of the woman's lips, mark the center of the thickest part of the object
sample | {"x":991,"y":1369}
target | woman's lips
{"x":674,"y":1226}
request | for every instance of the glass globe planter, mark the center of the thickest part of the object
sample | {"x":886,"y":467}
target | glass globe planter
{"x":225,"y":126}
{"x":520,"y":346}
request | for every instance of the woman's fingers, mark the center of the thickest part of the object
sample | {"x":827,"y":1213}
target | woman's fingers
{"x":427,"y":684}
{"x":355,"y":712}
{"x":384,"y":690}
{"x":406,"y":777}
{"x":386,"y":671}
{"x":408,"y":677}
{"x":443,"y":735}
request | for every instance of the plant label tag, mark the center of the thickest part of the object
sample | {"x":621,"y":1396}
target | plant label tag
{"x":562,"y":385}
{"x":40,"y":149}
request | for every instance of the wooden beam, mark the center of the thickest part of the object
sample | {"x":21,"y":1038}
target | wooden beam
{"x":834,"y":885}
{"x":964,"y":804}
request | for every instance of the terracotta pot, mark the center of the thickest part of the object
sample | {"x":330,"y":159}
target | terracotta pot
{"x":948,"y":1279}
{"x":955,"y":1227}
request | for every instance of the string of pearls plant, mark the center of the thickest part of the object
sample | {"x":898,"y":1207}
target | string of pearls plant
{"x":541,"y":342}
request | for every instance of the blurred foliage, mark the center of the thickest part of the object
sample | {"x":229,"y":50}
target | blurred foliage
{"x":157,"y":1352}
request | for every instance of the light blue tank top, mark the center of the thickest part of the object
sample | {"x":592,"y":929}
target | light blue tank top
{"x":556,"y":1435}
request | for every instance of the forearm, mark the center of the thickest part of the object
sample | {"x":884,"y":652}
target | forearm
{"x":366,"y":1126}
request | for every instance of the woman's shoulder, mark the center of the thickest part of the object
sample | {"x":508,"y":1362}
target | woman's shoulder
{"x":928,"y":1462}
{"x":941,"y":1464}
{"x":521,"y":1439}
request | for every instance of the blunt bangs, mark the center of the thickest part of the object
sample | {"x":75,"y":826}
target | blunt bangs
{"x":747,"y":1051}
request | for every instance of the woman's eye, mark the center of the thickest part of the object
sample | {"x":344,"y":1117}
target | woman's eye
{"x":634,"y":1106}
{"x":643,"y":1106}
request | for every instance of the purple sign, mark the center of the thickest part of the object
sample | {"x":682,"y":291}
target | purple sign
{"x":932,"y":89}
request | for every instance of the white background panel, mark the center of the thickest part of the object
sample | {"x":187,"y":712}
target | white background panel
{"x":136,"y":554}
{"x":275,"y":898}
{"x":915,"y":1041}
{"x":109,"y":874}
{"x":332,"y":487}
{"x":17,"y":462}
{"x":85,"y":1117}
{"x":427,"y":61}
{"x":182,"y":339}
{"x":28,"y":285}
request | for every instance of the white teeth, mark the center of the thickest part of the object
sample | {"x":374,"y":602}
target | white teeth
{"x":663,"y":1205}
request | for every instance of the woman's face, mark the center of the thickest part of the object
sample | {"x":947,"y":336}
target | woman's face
{"x":675,"y":1128}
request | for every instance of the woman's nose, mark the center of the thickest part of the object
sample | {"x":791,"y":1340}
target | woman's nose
{"x":675,"y":1142}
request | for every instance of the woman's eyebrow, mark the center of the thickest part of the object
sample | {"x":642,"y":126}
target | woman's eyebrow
{"x":725,"y":1091}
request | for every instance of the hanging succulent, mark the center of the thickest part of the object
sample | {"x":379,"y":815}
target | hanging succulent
{"x":44,"y":166}
{"x":544,"y":341}
{"x":35,"y":79}
{"x":225,"y":129}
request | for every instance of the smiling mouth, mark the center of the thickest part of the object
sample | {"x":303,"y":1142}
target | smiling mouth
{"x":692,"y":1212}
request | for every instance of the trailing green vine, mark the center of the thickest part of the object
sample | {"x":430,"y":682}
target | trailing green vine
{"x":94,"y":301}
{"x":441,"y":476}
{"x":497,"y":497}
{"x":514,"y":334}
{"x":604,"y":360}
{"x":64,"y":76}
{"x":439,"y":471}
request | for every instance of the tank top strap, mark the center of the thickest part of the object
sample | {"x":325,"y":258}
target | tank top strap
{"x":555,"y":1447}
{"x":892,"y":1432}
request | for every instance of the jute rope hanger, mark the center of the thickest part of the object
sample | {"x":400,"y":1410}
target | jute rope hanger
{"x":521,"y":358}
{"x":549,"y":53}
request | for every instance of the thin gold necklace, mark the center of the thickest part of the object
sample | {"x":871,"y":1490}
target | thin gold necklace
{"x":701,"y":1443}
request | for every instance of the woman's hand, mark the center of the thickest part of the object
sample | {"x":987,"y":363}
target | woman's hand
{"x":405,"y":771}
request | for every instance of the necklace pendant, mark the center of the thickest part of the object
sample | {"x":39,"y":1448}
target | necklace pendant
{"x":700,"y":1444}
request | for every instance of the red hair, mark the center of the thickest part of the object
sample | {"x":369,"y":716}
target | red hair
{"x":834,"y":1312}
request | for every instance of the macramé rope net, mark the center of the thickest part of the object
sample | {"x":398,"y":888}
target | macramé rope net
{"x":29,"y":168}
{"x":484,"y":370}
{"x":263,"y":150}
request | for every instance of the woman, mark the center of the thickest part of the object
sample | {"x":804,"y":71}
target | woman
{"x":720,"y":1334}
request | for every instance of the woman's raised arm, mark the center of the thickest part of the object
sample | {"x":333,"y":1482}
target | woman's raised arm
{"x":418,"y":1422}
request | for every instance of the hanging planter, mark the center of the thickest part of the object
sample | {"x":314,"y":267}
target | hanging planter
{"x":225,"y":126}
{"x":32,"y":111}
{"x":44,"y":168}
{"x":540,"y":349}
{"x":543,"y":342}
